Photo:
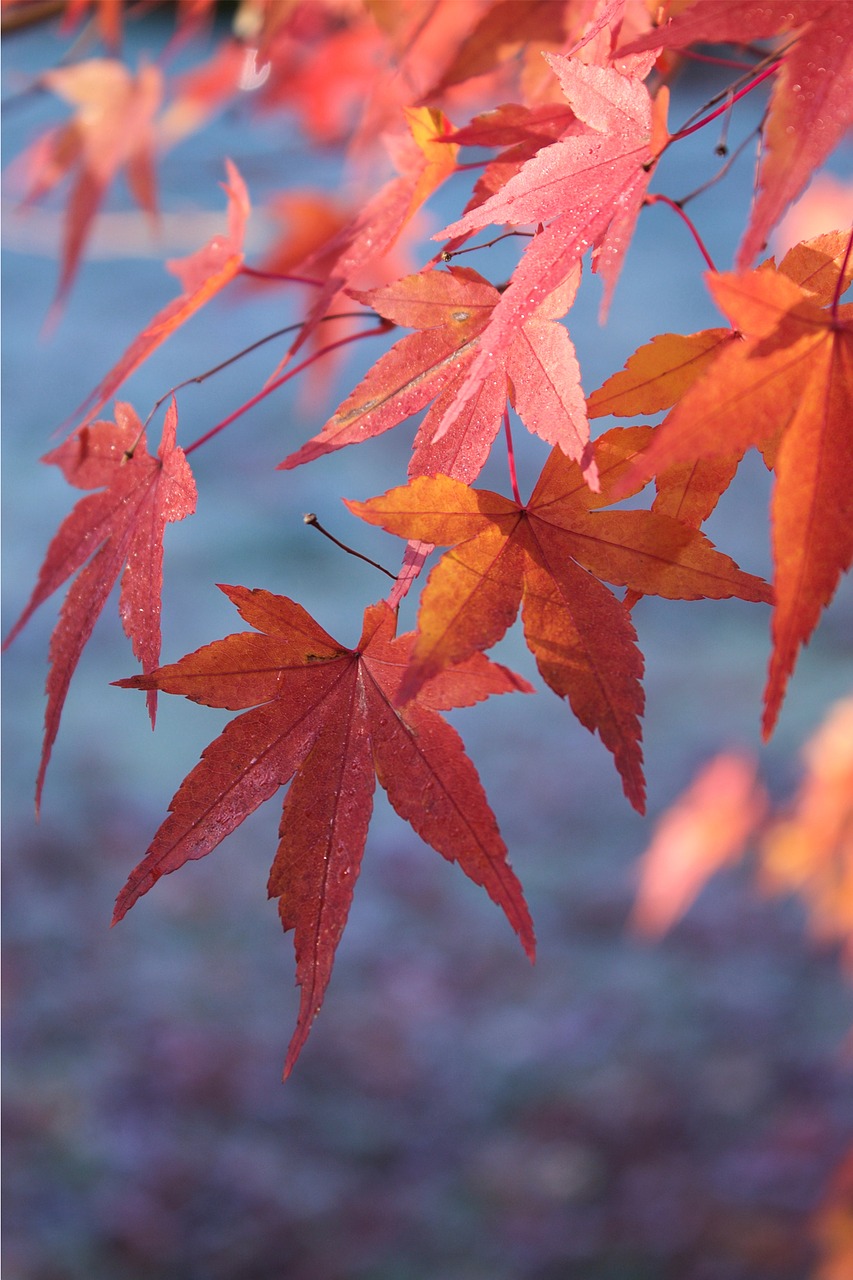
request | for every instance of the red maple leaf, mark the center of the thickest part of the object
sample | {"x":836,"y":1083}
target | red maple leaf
{"x":811,"y":107}
{"x":450,"y":310}
{"x":522,"y":131}
{"x":119,"y":527}
{"x":591,"y":184}
{"x":203,"y":274}
{"x":514,"y":125}
{"x":325,"y":716}
{"x":113,"y":126}
{"x":550,"y":553}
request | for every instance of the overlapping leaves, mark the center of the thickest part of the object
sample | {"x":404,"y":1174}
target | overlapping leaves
{"x":785,"y":385}
{"x":549,"y":556}
{"x":537,"y":368}
{"x":580,"y":151}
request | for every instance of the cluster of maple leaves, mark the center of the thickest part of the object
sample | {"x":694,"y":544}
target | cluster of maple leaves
{"x":582,"y":94}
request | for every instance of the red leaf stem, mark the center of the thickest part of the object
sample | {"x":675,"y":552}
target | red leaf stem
{"x":285,"y":377}
{"x":729,"y":102}
{"x":673,"y":204}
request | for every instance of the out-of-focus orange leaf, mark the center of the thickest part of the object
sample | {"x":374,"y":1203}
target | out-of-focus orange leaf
{"x":707,"y":827}
{"x":809,"y":851}
{"x":826,"y":203}
{"x":308,"y":220}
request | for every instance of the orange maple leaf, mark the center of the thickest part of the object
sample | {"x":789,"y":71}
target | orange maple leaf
{"x":654,"y":378}
{"x":785,"y":387}
{"x":809,"y":849}
{"x":550,"y":553}
{"x":806,"y":848}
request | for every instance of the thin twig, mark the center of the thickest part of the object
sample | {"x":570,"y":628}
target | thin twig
{"x":447,"y":254}
{"x":281,"y":276}
{"x":270,"y":337}
{"x":674,"y":204}
{"x":730,"y":99}
{"x":723,"y":170}
{"x":310,"y":518}
{"x":279,"y":382}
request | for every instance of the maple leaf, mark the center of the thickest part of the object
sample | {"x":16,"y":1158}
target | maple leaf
{"x":512,"y":124}
{"x":308,"y":219}
{"x":450,"y":310}
{"x":550,"y":554}
{"x":591,"y":184}
{"x":203,"y":274}
{"x":112,"y":127}
{"x":120,"y":527}
{"x":200,"y":93}
{"x":659,"y":372}
{"x":811,"y":106}
{"x":786,"y":388}
{"x":326,"y":83}
{"x":324,"y":715}
{"x":523,"y":131}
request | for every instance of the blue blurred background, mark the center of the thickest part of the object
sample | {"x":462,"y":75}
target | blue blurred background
{"x":621,"y":1111}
